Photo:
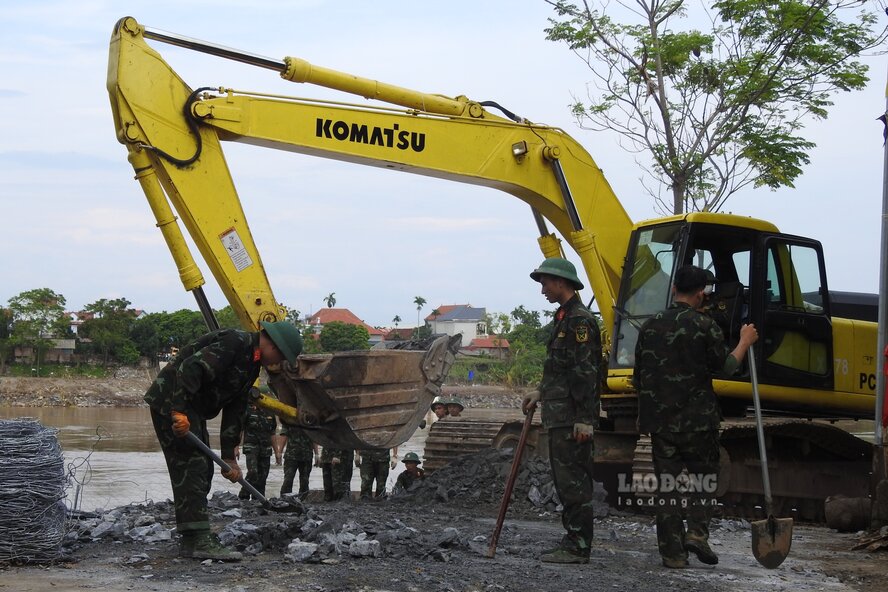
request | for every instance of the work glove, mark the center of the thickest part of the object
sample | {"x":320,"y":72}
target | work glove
{"x":583,"y":432}
{"x":530,"y":401}
{"x":234,"y":474}
{"x":181,"y":425}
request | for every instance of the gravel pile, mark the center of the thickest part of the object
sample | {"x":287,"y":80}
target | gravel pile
{"x":480,"y":478}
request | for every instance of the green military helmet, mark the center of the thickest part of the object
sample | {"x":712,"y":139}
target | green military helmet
{"x":455,"y":401}
{"x":411,"y":457}
{"x":286,"y":338}
{"x":559,"y":267}
{"x":437,"y":401}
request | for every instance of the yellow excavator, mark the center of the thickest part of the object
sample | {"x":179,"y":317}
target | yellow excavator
{"x":816,"y":348}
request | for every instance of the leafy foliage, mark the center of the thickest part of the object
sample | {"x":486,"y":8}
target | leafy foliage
{"x":338,"y":336}
{"x":109,"y":328}
{"x":38,"y":316}
{"x":720,"y":109}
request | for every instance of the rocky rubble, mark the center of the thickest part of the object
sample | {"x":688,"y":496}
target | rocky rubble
{"x":480,"y":478}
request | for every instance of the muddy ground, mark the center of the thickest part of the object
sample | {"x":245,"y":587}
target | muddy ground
{"x":416,"y":542}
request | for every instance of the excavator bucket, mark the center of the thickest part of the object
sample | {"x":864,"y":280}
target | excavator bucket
{"x":364,"y":399}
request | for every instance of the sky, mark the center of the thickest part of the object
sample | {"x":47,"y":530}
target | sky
{"x":76,"y":222}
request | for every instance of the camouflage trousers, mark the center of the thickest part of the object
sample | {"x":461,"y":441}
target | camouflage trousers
{"x":572,"y":472}
{"x":337,"y":478}
{"x":291,"y":467}
{"x":258,"y":457}
{"x":693,"y":498}
{"x":190,"y":472}
{"x":373,"y":471}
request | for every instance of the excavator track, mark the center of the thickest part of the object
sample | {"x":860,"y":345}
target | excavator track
{"x":808,"y":461}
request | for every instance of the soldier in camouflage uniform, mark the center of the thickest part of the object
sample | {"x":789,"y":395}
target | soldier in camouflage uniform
{"x":298,"y":455}
{"x":678,"y":351}
{"x":410,"y":475}
{"x":336,"y":465}
{"x":259,"y":427}
{"x":211,"y":375}
{"x":570,"y":393}
{"x":374,"y":466}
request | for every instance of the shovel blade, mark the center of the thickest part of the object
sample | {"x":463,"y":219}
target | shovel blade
{"x":771,"y":540}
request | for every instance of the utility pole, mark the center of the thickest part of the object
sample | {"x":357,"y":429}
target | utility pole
{"x":880,"y":479}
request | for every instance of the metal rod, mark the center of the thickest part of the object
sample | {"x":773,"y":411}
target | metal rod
{"x":216,"y":50}
{"x":206,"y":310}
{"x":569,"y":204}
{"x":540,"y":222}
{"x":879,"y":469}
{"x":510,"y":484}
{"x":760,"y":430}
{"x":199,"y":444}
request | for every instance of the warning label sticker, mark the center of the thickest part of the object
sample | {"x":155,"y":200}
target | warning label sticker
{"x":234,"y":246}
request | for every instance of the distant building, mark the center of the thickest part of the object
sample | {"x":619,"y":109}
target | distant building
{"x":326,"y":316}
{"x":453,"y":319}
{"x":399,"y":334}
{"x":493,"y":346}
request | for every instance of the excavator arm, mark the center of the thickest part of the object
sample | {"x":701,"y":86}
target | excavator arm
{"x":174,"y":135}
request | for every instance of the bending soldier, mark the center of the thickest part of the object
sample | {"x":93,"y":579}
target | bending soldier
{"x":210,"y":375}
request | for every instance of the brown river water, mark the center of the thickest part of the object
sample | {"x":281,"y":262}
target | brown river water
{"x":113,"y":457}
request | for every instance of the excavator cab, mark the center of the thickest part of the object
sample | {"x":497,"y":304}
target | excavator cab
{"x":775,"y":281}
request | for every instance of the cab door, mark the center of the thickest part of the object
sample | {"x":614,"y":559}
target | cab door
{"x":791,"y":311}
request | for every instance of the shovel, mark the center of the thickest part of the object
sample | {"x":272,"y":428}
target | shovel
{"x":275,"y":505}
{"x":510,"y":483}
{"x":772,"y":537}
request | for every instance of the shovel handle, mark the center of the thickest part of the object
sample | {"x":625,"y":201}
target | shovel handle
{"x":510,"y":484}
{"x":198,"y":443}
{"x":760,"y":430}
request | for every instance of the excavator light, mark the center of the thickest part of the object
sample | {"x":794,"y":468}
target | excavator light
{"x":519,"y":149}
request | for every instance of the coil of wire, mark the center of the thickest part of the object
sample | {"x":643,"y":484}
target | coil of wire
{"x":32,"y":491}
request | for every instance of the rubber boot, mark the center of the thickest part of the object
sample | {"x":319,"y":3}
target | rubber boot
{"x":700,"y":548}
{"x":675,"y":563}
{"x":562,"y":555}
{"x":206,"y":545}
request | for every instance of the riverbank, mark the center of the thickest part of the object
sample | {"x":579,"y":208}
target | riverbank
{"x":127,"y":386}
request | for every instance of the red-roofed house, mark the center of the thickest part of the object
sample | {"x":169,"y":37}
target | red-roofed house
{"x":400,"y":334}
{"x":342,"y":315}
{"x":493,"y":346}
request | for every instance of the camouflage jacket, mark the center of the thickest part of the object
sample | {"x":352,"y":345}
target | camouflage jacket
{"x":570,"y":388}
{"x":406,"y":479}
{"x":299,"y":448}
{"x":212,"y":374}
{"x":677,"y":352}
{"x":259,"y":426}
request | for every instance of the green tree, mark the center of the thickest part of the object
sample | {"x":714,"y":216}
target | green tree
{"x":720,"y":109}
{"x":38,"y":317}
{"x":227,"y":318}
{"x":330,"y":299}
{"x":419,"y":301}
{"x":157,"y":332}
{"x":6,"y":346}
{"x":396,"y":320}
{"x":109,"y":329}
{"x":338,"y":336}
